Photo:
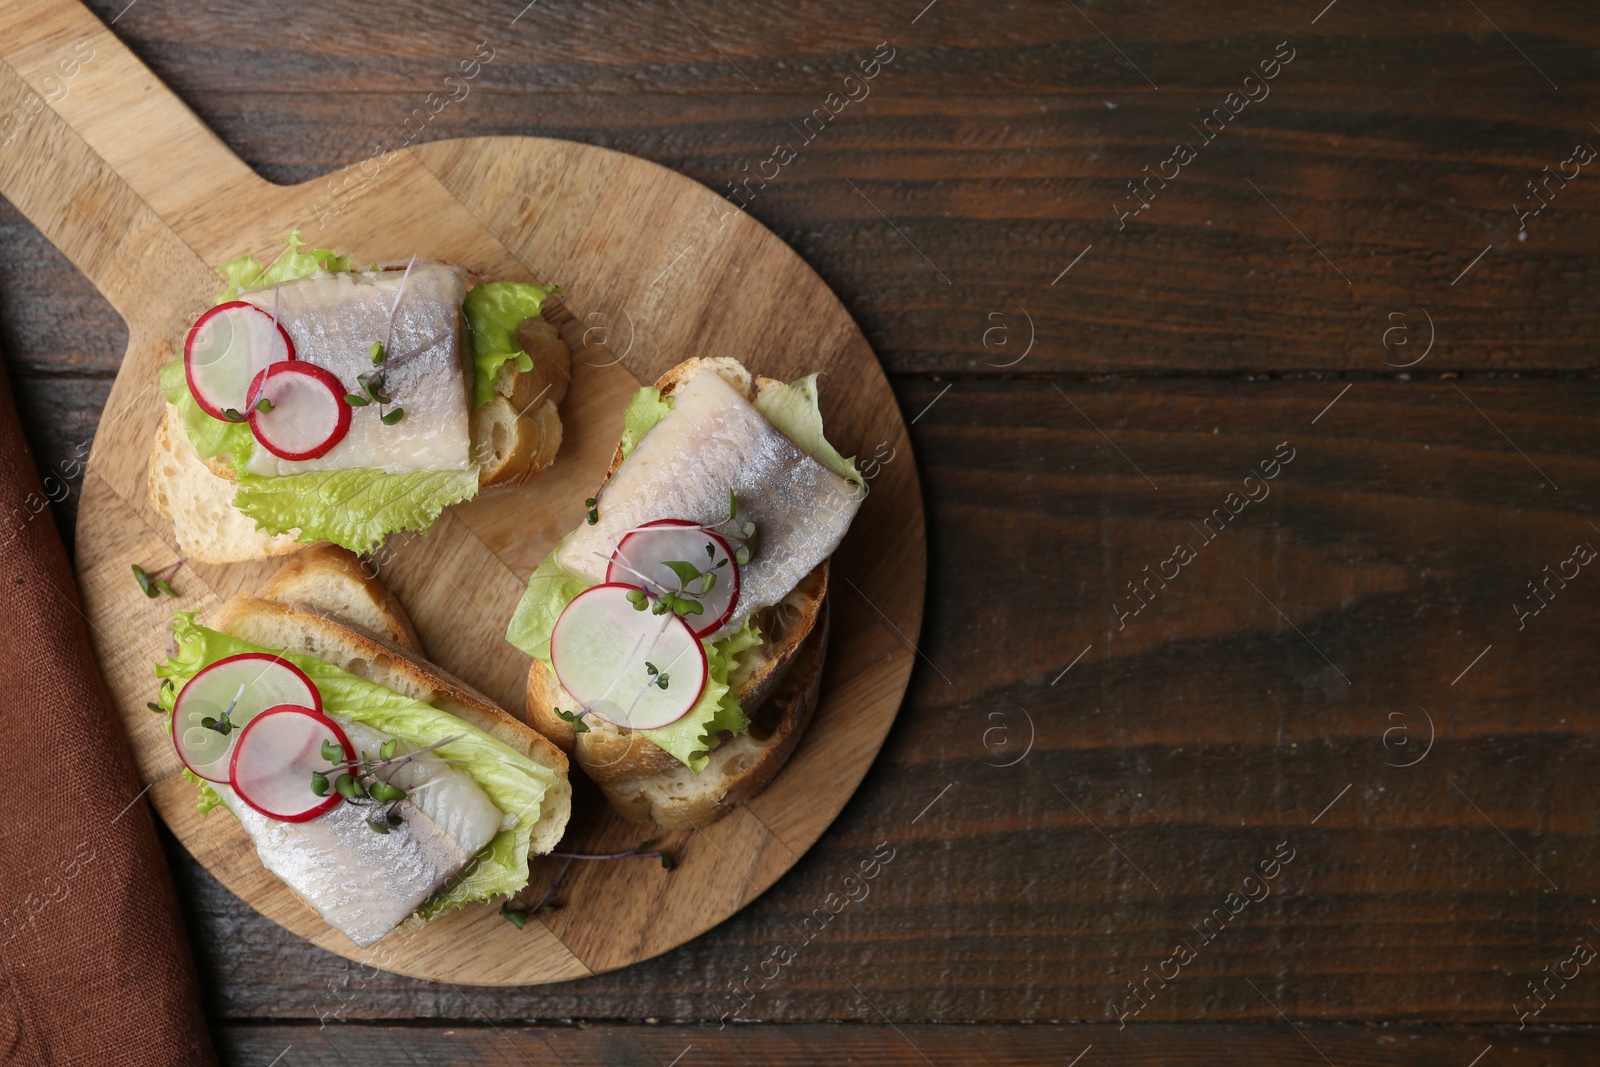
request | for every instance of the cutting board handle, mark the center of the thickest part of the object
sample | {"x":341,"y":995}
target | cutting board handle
{"x":103,"y":158}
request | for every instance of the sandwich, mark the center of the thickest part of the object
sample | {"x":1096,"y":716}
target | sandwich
{"x":376,"y":786}
{"x":315,"y":402}
{"x":678,"y":634}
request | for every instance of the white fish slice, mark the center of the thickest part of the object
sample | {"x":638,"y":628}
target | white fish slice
{"x":365,"y":883}
{"x":712,"y":441}
{"x":333,"y":320}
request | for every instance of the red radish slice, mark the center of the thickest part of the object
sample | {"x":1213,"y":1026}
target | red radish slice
{"x":250,"y":682}
{"x":602,"y":649}
{"x":308,"y":414}
{"x":225,"y":350}
{"x":641,"y":558}
{"x":276,"y":755}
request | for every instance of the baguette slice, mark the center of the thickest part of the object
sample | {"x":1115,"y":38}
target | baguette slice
{"x":514,"y":436}
{"x":275,"y":625}
{"x":333,"y":582}
{"x":776,"y":684}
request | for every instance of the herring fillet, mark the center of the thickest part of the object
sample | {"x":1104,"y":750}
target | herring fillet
{"x":712,"y":441}
{"x":333,"y":320}
{"x":364,"y":883}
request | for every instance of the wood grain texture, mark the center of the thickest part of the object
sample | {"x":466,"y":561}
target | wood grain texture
{"x":877,"y":1045}
{"x":1207,"y":730}
{"x":97,"y":163}
{"x":1196,"y":739}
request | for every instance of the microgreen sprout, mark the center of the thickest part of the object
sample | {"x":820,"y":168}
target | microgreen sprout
{"x":378,"y":353}
{"x":684,"y":600}
{"x":153,"y":585}
{"x":364,"y":780}
{"x":265,"y":404}
{"x":517,"y":913}
{"x":356,"y":401}
{"x":223,"y":724}
{"x":573,"y":717}
{"x":642,"y":850}
{"x":389,"y":418}
{"x":656,"y":677}
{"x":372,"y":383}
{"x":594,"y":511}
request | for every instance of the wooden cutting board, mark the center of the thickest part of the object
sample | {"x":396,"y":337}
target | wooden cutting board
{"x":147,"y":203}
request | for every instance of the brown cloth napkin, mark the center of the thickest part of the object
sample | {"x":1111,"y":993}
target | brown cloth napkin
{"x":94,"y":961}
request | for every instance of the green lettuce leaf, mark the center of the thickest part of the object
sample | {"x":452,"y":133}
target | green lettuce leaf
{"x":793,"y":410}
{"x":692,"y":737}
{"x":689,"y":739}
{"x":210,"y":436}
{"x":647,"y":408}
{"x":494,"y":311}
{"x":517,"y":785}
{"x":550,"y":589}
{"x":354,"y":508}
{"x":209,"y":798}
{"x":298,"y":261}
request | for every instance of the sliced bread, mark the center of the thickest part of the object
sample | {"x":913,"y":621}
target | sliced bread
{"x":514,"y":436}
{"x":275,"y":625}
{"x":776,"y":684}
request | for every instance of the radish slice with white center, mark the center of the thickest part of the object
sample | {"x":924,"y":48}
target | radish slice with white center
{"x":641,"y":560}
{"x":249,"y":682}
{"x":276,"y":756}
{"x":307,"y":415}
{"x":225,"y":350}
{"x":604,"y":650}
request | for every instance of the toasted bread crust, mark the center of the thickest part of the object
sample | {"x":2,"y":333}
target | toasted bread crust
{"x":332,"y":581}
{"x":637,"y":776}
{"x":184,"y":488}
{"x":515,"y":435}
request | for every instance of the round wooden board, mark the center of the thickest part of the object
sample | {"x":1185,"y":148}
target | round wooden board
{"x":655,"y":269}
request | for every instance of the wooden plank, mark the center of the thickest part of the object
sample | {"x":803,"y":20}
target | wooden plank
{"x":998,"y":141}
{"x":877,"y":1045}
{"x":1197,"y":738}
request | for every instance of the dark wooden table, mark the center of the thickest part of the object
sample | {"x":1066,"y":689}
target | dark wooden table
{"x":1147,"y":670}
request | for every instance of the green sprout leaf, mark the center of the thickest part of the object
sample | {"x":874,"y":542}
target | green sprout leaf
{"x":355,"y":401}
{"x":686,"y":571}
{"x":575,"y":718}
{"x":378,"y":354}
{"x":386,"y":751}
{"x":319,"y":783}
{"x":391,"y":417}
